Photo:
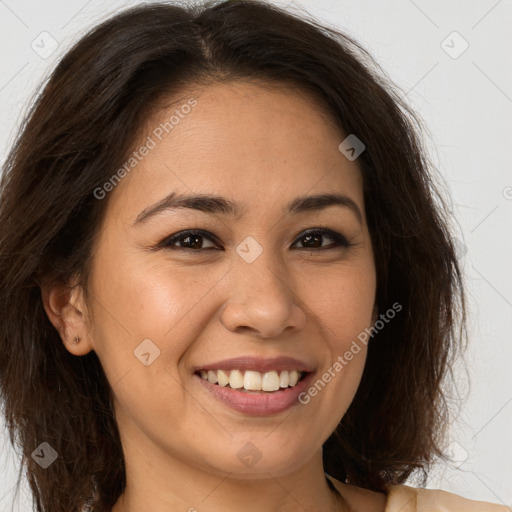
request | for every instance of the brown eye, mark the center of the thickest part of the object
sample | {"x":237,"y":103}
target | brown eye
{"x":312,"y":239}
{"x":190,"y":239}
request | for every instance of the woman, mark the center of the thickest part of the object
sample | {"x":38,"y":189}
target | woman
{"x":176,"y":334}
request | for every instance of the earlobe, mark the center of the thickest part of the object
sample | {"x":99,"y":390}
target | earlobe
{"x":65,"y":308}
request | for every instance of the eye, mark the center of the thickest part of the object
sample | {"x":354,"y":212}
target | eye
{"x":192,"y":240}
{"x":312,"y":236}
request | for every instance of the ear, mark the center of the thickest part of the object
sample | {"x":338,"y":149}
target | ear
{"x":65,"y":306}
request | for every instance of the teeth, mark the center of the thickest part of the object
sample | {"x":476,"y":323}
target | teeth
{"x":236,"y":379}
{"x":251,"y":380}
{"x":294,"y":377}
{"x":223,"y":378}
{"x":270,"y":381}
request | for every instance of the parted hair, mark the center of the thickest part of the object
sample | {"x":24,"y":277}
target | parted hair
{"x":84,"y":122}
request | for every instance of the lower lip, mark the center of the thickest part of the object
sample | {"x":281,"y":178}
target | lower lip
{"x":258,"y":404}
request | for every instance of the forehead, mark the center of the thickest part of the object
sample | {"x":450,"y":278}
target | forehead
{"x":256,"y":145}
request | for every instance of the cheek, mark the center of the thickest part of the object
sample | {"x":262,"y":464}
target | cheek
{"x":343,"y":303}
{"x":131,"y":305}
{"x":139,"y":299}
{"x":143,"y":321}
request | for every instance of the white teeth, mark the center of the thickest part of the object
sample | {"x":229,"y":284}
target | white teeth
{"x":294,"y":377}
{"x":251,"y":380}
{"x":223,"y":378}
{"x":236,"y":379}
{"x":270,"y":381}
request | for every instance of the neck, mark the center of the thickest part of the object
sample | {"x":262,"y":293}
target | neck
{"x":149,"y":487}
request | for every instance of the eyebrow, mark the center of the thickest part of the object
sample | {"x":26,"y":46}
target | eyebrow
{"x":215,"y":205}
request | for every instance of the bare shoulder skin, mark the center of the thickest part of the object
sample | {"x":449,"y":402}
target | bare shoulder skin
{"x":360,"y":499}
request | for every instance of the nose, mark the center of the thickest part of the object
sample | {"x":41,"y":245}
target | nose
{"x":262,"y":299}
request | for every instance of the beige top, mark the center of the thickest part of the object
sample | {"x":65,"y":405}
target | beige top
{"x":402,"y":498}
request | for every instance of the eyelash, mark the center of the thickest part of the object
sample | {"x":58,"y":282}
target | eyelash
{"x":339,"y":240}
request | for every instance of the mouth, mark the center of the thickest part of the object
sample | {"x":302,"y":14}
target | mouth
{"x":256,"y":386}
{"x":252,"y":381}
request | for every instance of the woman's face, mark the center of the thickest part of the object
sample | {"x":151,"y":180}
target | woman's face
{"x":252,"y":292}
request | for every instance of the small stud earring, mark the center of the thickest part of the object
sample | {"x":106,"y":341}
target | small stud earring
{"x":77,"y":339}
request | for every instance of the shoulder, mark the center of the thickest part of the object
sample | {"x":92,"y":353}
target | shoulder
{"x":402,"y":498}
{"x":360,"y":499}
{"x":409,"y":499}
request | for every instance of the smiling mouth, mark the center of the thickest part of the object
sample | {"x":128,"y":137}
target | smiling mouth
{"x":253,"y":381}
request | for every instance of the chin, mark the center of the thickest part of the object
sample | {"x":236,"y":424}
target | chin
{"x":256,"y":457}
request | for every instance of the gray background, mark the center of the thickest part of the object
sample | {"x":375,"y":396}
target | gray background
{"x":466,"y":102}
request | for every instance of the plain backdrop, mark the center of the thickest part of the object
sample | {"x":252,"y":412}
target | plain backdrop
{"x":452,"y":62}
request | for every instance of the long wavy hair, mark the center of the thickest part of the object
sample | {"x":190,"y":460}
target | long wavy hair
{"x":82,"y":126}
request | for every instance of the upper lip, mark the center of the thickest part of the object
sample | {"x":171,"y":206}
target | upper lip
{"x":258,"y":364}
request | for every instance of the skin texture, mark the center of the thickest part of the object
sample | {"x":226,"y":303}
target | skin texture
{"x":261,"y":148}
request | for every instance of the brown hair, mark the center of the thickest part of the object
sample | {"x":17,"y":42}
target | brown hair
{"x":80,"y":129}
